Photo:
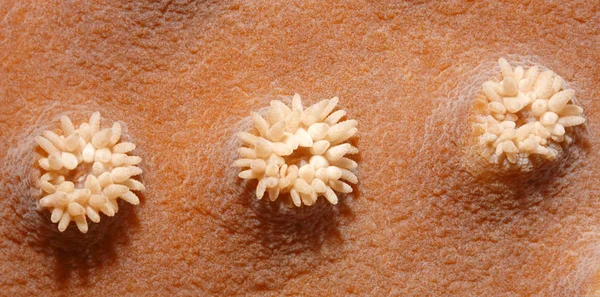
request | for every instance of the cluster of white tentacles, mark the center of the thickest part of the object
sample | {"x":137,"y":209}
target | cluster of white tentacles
{"x":527,"y":112}
{"x":85,"y":171}
{"x":300,"y":151}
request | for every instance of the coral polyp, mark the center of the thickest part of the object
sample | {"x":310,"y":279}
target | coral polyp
{"x":85,"y":171}
{"x":300,"y":152}
{"x":527,"y":114}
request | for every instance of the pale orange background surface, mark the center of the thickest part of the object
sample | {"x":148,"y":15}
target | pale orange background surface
{"x":182,"y":77}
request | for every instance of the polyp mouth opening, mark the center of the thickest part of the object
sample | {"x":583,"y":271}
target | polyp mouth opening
{"x":79,"y":175}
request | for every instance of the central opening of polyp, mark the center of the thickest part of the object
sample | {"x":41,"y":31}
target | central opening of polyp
{"x":79,"y":175}
{"x":299,"y":157}
{"x":524,"y":117}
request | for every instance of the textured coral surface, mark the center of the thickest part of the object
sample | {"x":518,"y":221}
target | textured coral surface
{"x":182,"y":78}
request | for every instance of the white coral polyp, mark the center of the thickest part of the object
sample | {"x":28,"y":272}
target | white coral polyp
{"x":85,"y":171}
{"x":299,"y":151}
{"x":528,"y":113}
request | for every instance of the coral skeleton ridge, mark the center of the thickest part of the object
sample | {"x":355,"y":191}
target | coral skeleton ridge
{"x":528,"y":113}
{"x":86,"y":170}
{"x":299,"y":151}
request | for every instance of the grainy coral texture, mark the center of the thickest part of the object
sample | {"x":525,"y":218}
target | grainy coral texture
{"x":181,"y":77}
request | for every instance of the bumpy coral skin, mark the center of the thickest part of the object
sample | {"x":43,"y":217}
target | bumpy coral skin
{"x":85,"y":171}
{"x":299,"y":151}
{"x":528,"y":113}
